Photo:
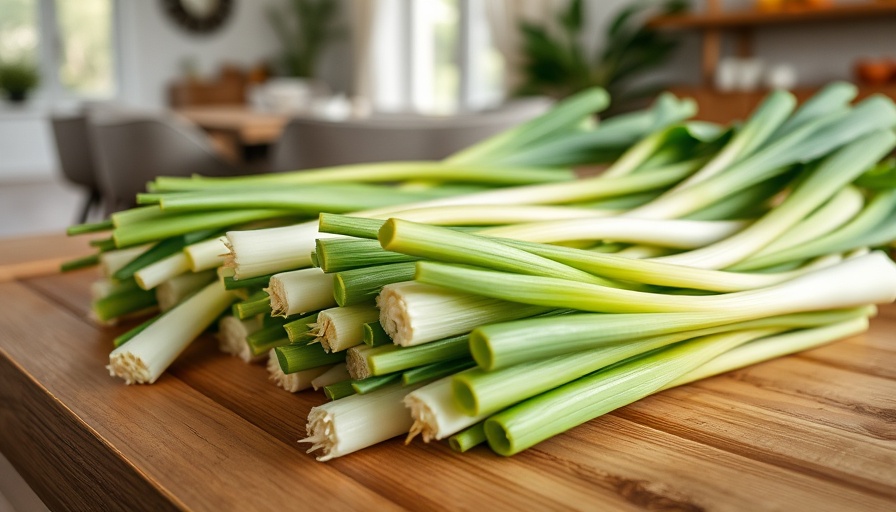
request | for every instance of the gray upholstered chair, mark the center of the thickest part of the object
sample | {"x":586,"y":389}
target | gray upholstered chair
{"x":310,"y":143}
{"x":76,"y":157}
{"x":131,"y":150}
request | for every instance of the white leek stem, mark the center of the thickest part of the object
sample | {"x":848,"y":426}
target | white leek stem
{"x":435,"y":411}
{"x":266,"y":251}
{"x":356,"y":362}
{"x":300,"y":291}
{"x":232,"y":334}
{"x":172,"y":291}
{"x":292,"y":382}
{"x":207,"y":254}
{"x":157,"y":273}
{"x":834,"y":214}
{"x":113,"y":261}
{"x":341,"y":328}
{"x":681,"y":234}
{"x":413,"y":313}
{"x":336,"y":373}
{"x":143,"y":359}
{"x":355,"y":422}
{"x":643,"y":252}
{"x":104,"y":286}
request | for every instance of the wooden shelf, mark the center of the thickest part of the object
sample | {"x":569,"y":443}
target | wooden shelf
{"x":752,"y":18}
{"x":714,"y":22}
{"x":723,"y":107}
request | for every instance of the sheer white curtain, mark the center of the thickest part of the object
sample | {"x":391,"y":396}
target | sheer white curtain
{"x":504,"y":18}
{"x":389,"y":69}
{"x":380,"y":44}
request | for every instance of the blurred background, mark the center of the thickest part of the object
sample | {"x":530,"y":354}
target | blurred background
{"x":98,"y":96}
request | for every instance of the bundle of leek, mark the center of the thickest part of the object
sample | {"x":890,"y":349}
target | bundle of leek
{"x":522,"y":339}
{"x":511,"y":314}
{"x":160,"y":254}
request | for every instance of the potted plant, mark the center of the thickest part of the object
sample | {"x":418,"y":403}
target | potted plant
{"x":304,"y":27}
{"x":17,"y":79}
{"x":557,"y":63}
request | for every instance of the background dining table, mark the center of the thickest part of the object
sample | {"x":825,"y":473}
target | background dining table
{"x":812,"y":431}
{"x":234,"y":128}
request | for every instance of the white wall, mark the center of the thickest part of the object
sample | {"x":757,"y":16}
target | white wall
{"x":27,"y":152}
{"x":154,"y":49}
{"x":151,"y":52}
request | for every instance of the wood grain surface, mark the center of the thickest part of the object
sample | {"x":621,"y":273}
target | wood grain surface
{"x":40,"y":255}
{"x":815,"y":431}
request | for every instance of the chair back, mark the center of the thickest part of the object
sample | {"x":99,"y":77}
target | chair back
{"x":73,"y":149}
{"x":132,"y":150}
{"x":311,"y":143}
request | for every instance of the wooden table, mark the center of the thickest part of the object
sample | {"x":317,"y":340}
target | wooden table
{"x":247,"y":126}
{"x":816,"y":431}
{"x":234,"y":129}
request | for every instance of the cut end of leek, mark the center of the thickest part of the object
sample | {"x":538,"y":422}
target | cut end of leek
{"x":323,"y":331}
{"x":394,"y":316}
{"x":279,"y":302}
{"x":287,"y":381}
{"x":321,"y":434}
{"x":292,"y":382}
{"x":481,"y":350}
{"x":129,"y":367}
{"x":231,"y":336}
{"x":356,"y":363}
{"x":425,"y":422}
{"x":497,"y":438}
{"x":464,"y":397}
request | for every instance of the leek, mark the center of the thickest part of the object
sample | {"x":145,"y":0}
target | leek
{"x":295,"y":358}
{"x":347,"y":425}
{"x":300,"y":291}
{"x":162,"y":270}
{"x":206,"y":255}
{"x":435,"y":414}
{"x":336,"y":373}
{"x":773,"y":347}
{"x":805,"y":291}
{"x":232,"y":333}
{"x":338,"y":329}
{"x":361,"y":285}
{"x":300,"y":328}
{"x":392,"y":358}
{"x":143,"y":359}
{"x":172,"y":291}
{"x":374,"y":335}
{"x":869,"y":279}
{"x":483,"y":392}
{"x":833,"y":173}
{"x":339,"y":390}
{"x":469,"y":438}
{"x":413,"y":313}
{"x":435,"y":371}
{"x":295,"y":381}
{"x":345,"y":254}
{"x":536,"y":419}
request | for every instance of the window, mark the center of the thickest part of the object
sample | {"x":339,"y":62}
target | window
{"x":433,"y":57}
{"x":71,"y":42}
